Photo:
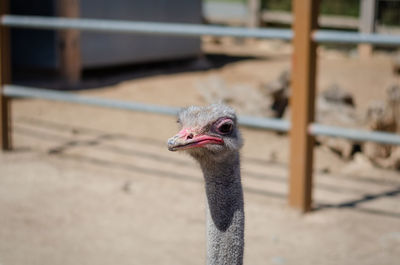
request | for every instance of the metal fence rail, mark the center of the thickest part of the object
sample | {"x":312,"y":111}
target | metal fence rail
{"x":336,"y":36}
{"x":353,"y":134}
{"x":39,"y":93}
{"x":15,"y":91}
{"x":149,"y":28}
{"x":248,"y":121}
{"x":189,"y":30}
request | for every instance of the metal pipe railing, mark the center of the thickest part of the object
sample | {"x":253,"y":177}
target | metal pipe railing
{"x":39,"y":93}
{"x":150,"y":28}
{"x":253,"y":122}
{"x":335,"y":36}
{"x":189,"y":30}
{"x":353,"y":134}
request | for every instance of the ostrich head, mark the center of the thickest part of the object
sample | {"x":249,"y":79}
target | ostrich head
{"x":207,"y":132}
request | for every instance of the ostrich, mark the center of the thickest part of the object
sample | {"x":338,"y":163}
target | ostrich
{"x":210,"y":135}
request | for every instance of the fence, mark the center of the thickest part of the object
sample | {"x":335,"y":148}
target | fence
{"x":302,"y":129}
{"x":367,"y":16}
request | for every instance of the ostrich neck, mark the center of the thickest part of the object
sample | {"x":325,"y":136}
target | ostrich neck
{"x":225,"y":214}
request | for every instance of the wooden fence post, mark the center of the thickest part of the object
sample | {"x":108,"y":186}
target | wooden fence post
{"x":254,"y":16}
{"x":367,"y":25}
{"x":5,"y":78}
{"x":302,"y":103}
{"x":69,"y":44}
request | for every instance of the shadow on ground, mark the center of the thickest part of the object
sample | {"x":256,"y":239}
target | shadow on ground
{"x":54,"y":133}
{"x":103,"y":77}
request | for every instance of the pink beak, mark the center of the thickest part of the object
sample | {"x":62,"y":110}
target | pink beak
{"x":186,"y":139}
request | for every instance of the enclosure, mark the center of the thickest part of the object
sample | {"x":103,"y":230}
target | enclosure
{"x":95,"y":185}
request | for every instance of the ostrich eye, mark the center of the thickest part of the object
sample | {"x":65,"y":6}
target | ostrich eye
{"x":225,"y":127}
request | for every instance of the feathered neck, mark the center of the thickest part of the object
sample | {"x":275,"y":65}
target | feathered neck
{"x":225,"y":213}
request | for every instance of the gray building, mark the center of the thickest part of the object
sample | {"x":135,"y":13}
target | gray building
{"x":41,"y":48}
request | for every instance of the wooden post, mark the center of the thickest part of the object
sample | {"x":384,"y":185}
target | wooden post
{"x":367,"y":25}
{"x":254,"y":9}
{"x":69,"y":45}
{"x":5,"y":78}
{"x":302,"y":103}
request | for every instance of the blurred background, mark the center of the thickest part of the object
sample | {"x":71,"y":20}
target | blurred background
{"x":89,"y":185}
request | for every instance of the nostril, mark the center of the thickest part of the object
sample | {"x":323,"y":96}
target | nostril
{"x":190,"y":136}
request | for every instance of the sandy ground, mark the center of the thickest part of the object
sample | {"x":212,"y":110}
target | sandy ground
{"x":87,"y":185}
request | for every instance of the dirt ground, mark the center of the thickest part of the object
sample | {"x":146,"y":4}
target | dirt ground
{"x":88,"y":185}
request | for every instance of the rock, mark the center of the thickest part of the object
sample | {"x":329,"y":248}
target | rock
{"x":384,"y":116}
{"x":327,"y":161}
{"x":278,"y":92}
{"x":274,"y":87}
{"x":391,"y":162}
{"x":374,"y":150}
{"x":381,"y":117}
{"x":336,"y":114}
{"x":359,"y":164}
{"x":245,"y":99}
{"x":336,"y":95}
{"x":335,"y":106}
{"x":341,"y":146}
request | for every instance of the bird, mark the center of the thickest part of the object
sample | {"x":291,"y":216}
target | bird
{"x":211,"y":136}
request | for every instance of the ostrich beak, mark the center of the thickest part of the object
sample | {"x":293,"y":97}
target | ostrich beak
{"x":185,"y":139}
